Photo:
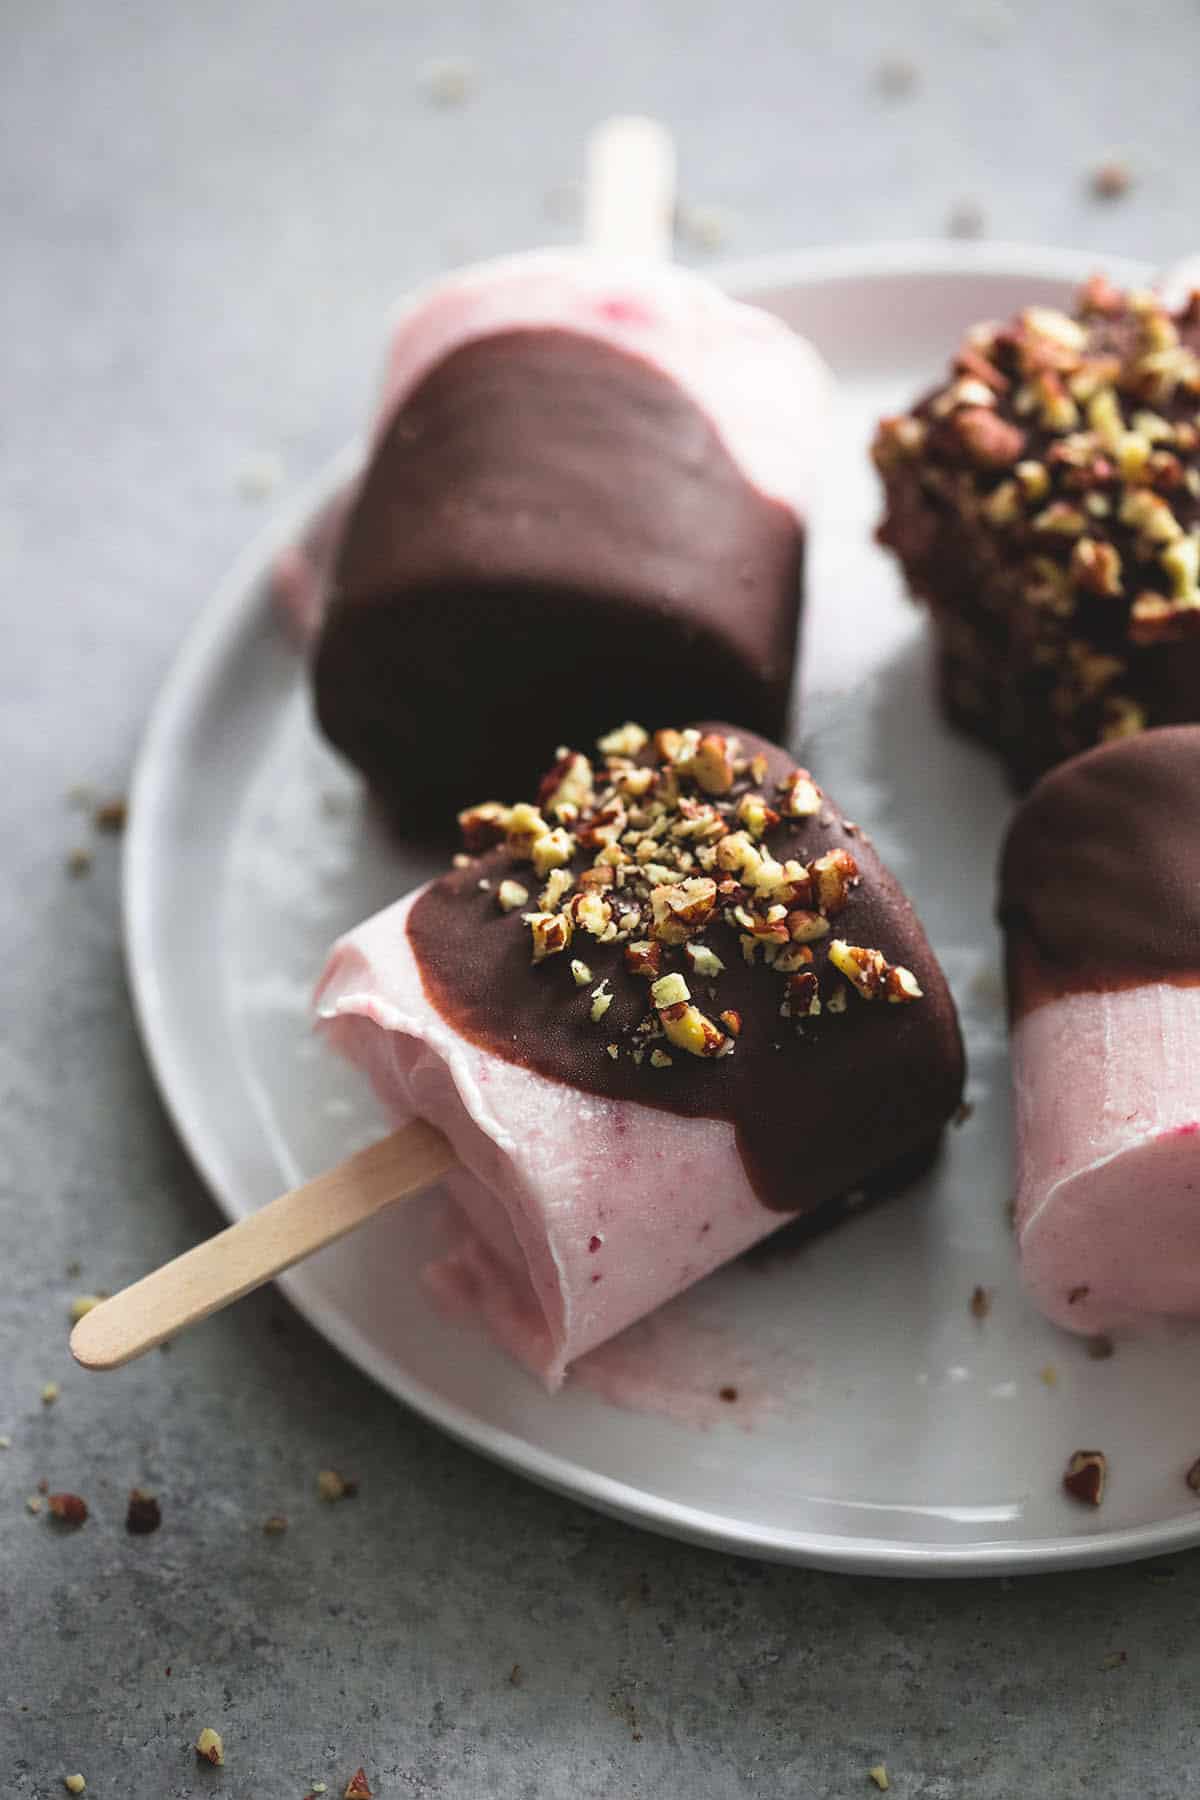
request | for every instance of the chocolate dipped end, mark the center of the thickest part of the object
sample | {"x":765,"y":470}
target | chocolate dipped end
{"x":820,"y":1096}
{"x":1100,"y":872}
{"x":548,"y":529}
{"x":1100,"y":898}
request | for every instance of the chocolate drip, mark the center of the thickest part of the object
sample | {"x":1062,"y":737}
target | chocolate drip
{"x":817,"y":1107}
{"x":1100,"y":872}
{"x":550,"y":533}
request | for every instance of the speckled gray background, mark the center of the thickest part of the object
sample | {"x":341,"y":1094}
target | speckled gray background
{"x":204,"y":211}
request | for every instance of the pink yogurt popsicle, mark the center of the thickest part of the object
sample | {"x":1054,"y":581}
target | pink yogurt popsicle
{"x":641,"y":1071}
{"x":580,"y":466}
{"x":1100,"y":896}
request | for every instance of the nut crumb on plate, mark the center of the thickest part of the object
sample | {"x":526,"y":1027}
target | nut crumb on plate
{"x":331,"y":1485}
{"x":879,"y":1776}
{"x":50,"y":1393}
{"x":981,"y":1302}
{"x":68,"y":1508}
{"x":210,"y":1746}
{"x":143,"y":1514}
{"x":74,"y":1784}
{"x":1086,"y":1476}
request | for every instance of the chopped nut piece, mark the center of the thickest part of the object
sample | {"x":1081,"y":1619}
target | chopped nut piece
{"x":683,"y":908}
{"x":68,"y":1508}
{"x":34,"y":1503}
{"x":332,"y":1485}
{"x":757,"y":817}
{"x":143,"y":1513}
{"x":644,"y":958}
{"x":510,"y":895}
{"x":560,"y":884}
{"x":210,"y":1747}
{"x":806,"y":927}
{"x":74,"y":1784}
{"x":981,"y":1302}
{"x":1110,"y":180}
{"x":601,"y":1001}
{"x":50,"y":1393}
{"x":660,"y":1060}
{"x":110,"y":816}
{"x":1150,"y":514}
{"x":864,"y":969}
{"x":83,"y":1304}
{"x":275,"y":1526}
{"x":901,"y":986}
{"x":580,"y":972}
{"x":711,"y":765}
{"x":879,"y":1776}
{"x":483,"y":826}
{"x":627,"y":740}
{"x":1060,"y":519}
{"x":801,"y":795}
{"x":552,"y":850}
{"x":990,"y":441}
{"x":731,"y":1019}
{"x":704,"y":963}
{"x":671,"y":990}
{"x":551,"y":933}
{"x":357,"y":1788}
{"x":1096,"y":567}
{"x":688,"y":1029}
{"x":1048,"y":1376}
{"x":1086,"y":1476}
{"x":833,"y":875}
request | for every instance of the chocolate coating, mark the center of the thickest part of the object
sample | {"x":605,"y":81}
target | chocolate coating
{"x":816,"y":1109}
{"x":549,"y":533}
{"x":1035,"y":515}
{"x":1100,"y":871}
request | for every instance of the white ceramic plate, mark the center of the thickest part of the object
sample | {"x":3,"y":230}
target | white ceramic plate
{"x":882,"y":1427}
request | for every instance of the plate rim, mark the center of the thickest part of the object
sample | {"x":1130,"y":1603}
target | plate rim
{"x":186,"y":682}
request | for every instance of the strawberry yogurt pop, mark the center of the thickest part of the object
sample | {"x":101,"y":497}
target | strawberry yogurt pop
{"x":659,"y":1013}
{"x":1100,"y":896}
{"x":588,"y":476}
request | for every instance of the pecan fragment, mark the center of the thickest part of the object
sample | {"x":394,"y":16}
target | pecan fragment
{"x":1086,"y":1476}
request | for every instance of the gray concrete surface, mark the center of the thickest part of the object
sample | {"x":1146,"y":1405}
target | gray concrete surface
{"x":204,"y":210}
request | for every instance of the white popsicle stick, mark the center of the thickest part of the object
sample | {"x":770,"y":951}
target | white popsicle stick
{"x":630,"y":207}
{"x":214,"y":1274}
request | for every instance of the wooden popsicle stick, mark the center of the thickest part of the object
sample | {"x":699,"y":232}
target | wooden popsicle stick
{"x":236,"y":1261}
{"x":630,"y":207}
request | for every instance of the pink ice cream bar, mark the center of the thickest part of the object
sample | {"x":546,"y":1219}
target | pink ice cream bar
{"x":1100,"y":897}
{"x":580,"y":465}
{"x":674,"y":1003}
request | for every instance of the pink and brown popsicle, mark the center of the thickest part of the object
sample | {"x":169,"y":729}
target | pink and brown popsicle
{"x":678,"y":1002}
{"x":663,"y":1009}
{"x":1100,"y":897}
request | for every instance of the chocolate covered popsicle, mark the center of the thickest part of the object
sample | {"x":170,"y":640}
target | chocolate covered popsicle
{"x":589,"y":477}
{"x":658,"y":1012}
{"x":1044,"y":502}
{"x":1100,"y":897}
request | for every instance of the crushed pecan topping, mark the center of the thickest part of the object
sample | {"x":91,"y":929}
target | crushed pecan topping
{"x":662,"y":849}
{"x":1068,"y":446}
